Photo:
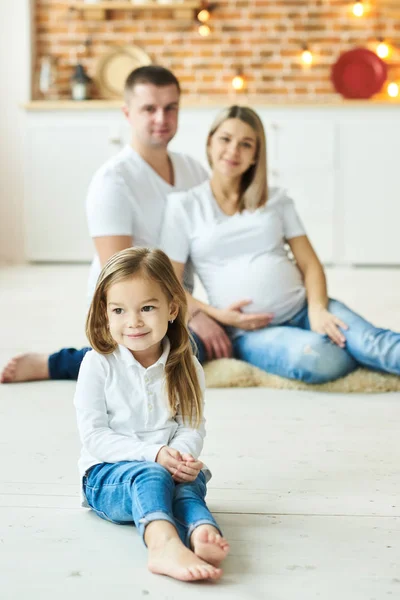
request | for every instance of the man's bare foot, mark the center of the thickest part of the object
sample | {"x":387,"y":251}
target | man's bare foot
{"x":26,"y":367}
{"x":209,"y":545}
{"x":172,"y":558}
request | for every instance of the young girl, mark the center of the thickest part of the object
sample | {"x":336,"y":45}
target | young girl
{"x":139,"y":405}
{"x":235,"y":230}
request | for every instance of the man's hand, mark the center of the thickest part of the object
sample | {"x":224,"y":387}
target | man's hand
{"x":183,"y":468}
{"x":213,"y":336}
{"x":325,"y":323}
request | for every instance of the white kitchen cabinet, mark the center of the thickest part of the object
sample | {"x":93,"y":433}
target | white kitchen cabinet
{"x":305,"y":167}
{"x":369,"y":195}
{"x":313,"y":191}
{"x":194,"y":125}
{"x":60,"y":159}
{"x":340,"y":166}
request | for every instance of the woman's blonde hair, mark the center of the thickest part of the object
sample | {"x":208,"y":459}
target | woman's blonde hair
{"x":254,"y":184}
{"x":181,"y":377}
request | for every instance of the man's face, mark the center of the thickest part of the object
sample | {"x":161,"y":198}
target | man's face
{"x":153,"y":114}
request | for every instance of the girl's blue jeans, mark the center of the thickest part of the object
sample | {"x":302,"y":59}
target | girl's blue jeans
{"x":142,"y":492}
{"x":292,"y":350}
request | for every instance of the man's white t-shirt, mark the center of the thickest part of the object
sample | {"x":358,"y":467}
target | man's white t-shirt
{"x":127,"y":197}
{"x":241,"y":256}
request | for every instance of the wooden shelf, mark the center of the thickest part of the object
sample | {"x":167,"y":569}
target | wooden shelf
{"x":98,"y":10}
{"x":110,"y":5}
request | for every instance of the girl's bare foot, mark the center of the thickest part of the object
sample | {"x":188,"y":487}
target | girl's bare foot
{"x":26,"y":367}
{"x":208,"y":544}
{"x":172,"y":558}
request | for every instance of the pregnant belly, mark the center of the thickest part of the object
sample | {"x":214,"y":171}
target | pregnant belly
{"x":273,"y":285}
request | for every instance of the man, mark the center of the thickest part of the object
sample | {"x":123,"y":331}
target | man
{"x":125,"y":207}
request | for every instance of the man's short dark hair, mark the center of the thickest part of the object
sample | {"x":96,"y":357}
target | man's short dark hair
{"x":154,"y":74}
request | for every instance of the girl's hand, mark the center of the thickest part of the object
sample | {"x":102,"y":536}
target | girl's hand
{"x":189,"y":469}
{"x":169,"y":459}
{"x":233,"y":316}
{"x":325,"y":323}
{"x":181,"y":470}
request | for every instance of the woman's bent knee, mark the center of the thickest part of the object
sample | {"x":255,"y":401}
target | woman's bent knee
{"x":322,"y":361}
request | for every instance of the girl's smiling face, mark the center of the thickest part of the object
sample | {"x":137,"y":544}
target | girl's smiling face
{"x":138,"y":312}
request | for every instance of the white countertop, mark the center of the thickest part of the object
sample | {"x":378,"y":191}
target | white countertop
{"x":217,"y":101}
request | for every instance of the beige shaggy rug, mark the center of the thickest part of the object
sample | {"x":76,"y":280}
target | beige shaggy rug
{"x":229,"y":372}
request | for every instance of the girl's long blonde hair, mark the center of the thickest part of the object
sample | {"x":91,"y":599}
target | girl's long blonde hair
{"x":254,"y":184}
{"x":181,"y":377}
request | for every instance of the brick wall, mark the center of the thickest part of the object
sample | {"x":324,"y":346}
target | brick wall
{"x":261,"y":37}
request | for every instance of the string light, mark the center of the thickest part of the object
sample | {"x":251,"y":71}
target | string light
{"x":358,"y":9}
{"x":393,"y":89}
{"x":203,"y":16}
{"x":306,"y":56}
{"x":382,"y":49}
{"x":204,"y":30}
{"x":238,"y":82}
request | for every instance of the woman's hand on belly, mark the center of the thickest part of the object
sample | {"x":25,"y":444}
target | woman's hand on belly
{"x":233,"y":316}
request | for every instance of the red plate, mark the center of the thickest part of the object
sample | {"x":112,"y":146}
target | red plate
{"x":358,"y":73}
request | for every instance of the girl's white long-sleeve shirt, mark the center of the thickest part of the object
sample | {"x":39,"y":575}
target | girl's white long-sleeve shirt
{"x":123,"y":412}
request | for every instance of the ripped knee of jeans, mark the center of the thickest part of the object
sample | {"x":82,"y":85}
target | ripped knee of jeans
{"x":310,"y":350}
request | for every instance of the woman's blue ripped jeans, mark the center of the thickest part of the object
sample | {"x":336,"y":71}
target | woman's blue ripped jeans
{"x":292,"y":350}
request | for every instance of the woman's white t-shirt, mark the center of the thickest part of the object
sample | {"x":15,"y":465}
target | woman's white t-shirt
{"x":241,"y":256}
{"x":127,"y":197}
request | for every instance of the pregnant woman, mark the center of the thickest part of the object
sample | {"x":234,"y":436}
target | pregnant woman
{"x":264,"y":282}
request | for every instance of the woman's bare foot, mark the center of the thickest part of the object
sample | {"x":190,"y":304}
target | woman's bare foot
{"x":209,"y":545}
{"x":168,"y":556}
{"x":26,"y":367}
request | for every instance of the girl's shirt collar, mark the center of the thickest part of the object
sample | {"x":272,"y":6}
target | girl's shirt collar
{"x":127,"y":357}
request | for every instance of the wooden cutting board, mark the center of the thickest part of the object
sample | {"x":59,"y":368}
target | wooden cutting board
{"x":114,"y":66}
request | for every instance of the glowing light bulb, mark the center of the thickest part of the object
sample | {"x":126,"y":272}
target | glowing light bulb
{"x":393,"y":89}
{"x":204,"y":30}
{"x":307,"y":57}
{"x":238,"y":82}
{"x":358,"y":9}
{"x":203,"y":16}
{"x":382,"y":50}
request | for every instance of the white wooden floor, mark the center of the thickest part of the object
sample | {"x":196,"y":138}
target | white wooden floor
{"x":306,"y":486}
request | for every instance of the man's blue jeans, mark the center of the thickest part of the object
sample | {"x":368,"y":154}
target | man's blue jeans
{"x":65,"y":363}
{"x":292,"y":350}
{"x":142,"y":492}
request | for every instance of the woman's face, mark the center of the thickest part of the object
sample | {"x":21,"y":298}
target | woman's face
{"x":232,"y":148}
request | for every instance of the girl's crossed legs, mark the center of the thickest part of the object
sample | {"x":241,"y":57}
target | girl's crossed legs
{"x":292,"y":350}
{"x":182,"y":536}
